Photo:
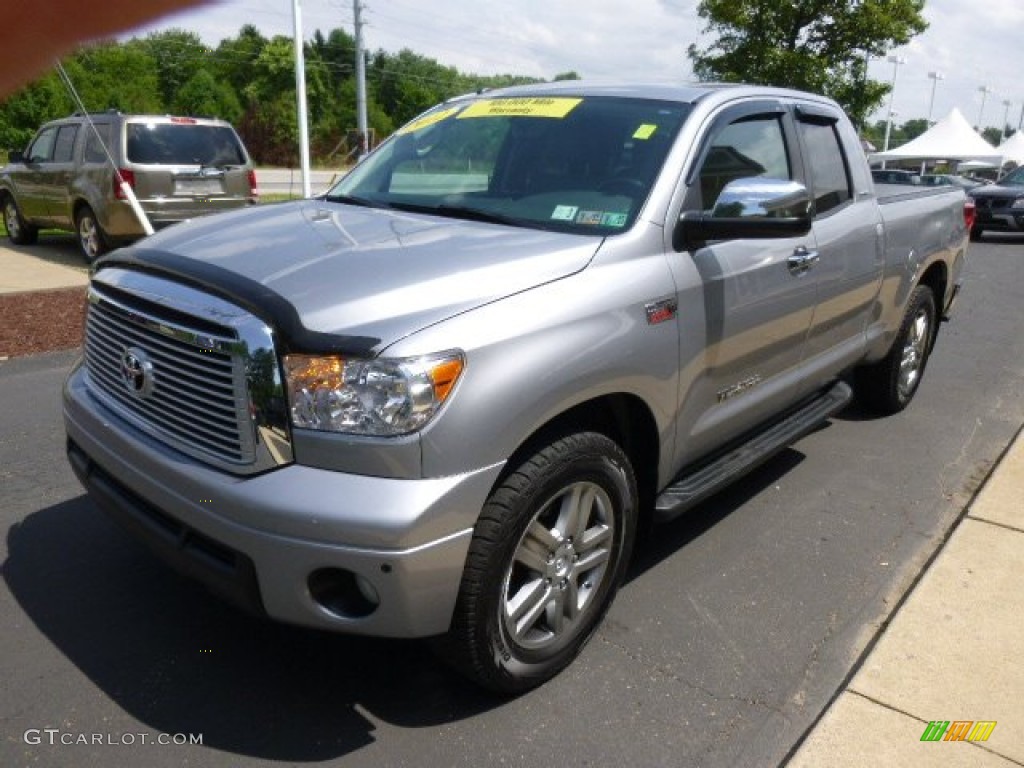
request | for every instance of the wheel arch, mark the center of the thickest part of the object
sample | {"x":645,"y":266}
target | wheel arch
{"x":77,"y":204}
{"x":936,"y":278}
{"x":624,"y":418}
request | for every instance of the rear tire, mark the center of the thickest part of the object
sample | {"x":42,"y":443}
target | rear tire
{"x":92,"y":240}
{"x":547,"y":557}
{"x":889,"y":385}
{"x":18,"y":230}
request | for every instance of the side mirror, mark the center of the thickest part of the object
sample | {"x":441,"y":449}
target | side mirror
{"x":755,"y":208}
{"x":15,"y":156}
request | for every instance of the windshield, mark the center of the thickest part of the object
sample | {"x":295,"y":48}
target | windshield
{"x":576,"y":164}
{"x":1014,"y":179}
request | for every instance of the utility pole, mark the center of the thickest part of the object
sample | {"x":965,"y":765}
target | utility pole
{"x":361,"y":124}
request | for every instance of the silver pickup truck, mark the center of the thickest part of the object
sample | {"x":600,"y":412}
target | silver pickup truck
{"x":440,"y":400}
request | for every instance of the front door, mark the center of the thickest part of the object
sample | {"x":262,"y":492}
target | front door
{"x":757,"y":305}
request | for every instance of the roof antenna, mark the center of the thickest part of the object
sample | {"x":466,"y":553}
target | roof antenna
{"x":126,"y":188}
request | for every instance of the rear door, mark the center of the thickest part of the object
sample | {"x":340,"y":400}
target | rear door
{"x":758,"y":308}
{"x":850,"y":243}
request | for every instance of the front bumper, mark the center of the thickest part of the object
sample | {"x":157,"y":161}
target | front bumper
{"x":268,"y":542}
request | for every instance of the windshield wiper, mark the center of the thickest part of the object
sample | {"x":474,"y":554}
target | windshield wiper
{"x":478,"y":214}
{"x":352,"y":200}
{"x":462,"y":212}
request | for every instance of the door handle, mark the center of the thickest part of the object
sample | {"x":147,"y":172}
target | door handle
{"x":802,"y":260}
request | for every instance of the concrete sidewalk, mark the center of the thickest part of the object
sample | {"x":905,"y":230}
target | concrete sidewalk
{"x":53,"y":263}
{"x":952,"y":652}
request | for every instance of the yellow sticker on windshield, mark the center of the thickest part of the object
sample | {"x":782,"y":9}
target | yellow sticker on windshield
{"x":433,"y":117}
{"x":525,"y":107}
{"x":645,"y":131}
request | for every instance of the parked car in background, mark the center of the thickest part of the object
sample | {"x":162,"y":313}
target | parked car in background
{"x":949,"y":180}
{"x":1000,"y":206}
{"x":69,"y":177}
{"x":894,"y":176}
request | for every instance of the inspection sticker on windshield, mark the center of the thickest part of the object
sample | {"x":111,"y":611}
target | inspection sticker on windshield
{"x":592,"y":218}
{"x":433,"y":117}
{"x":600,"y":218}
{"x":564,"y":212}
{"x":524,"y":107}
{"x":645,"y":131}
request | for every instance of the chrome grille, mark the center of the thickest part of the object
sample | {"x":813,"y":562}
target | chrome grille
{"x":198,"y":402}
{"x":189,"y":369}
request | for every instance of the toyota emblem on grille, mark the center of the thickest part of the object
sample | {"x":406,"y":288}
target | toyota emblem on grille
{"x":137,"y":372}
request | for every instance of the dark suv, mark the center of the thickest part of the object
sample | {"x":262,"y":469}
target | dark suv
{"x":1000,"y":206}
{"x":178,"y":168}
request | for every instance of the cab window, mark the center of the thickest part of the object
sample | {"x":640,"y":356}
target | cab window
{"x":826,"y":163}
{"x":750,"y":147}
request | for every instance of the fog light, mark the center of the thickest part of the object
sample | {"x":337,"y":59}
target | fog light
{"x":343,"y":593}
{"x":367,"y":590}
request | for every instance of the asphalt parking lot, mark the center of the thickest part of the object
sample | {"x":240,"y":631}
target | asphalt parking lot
{"x":736,"y":628}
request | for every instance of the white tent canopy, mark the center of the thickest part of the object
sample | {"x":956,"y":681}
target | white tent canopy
{"x":1013,"y":148}
{"x":952,"y":138}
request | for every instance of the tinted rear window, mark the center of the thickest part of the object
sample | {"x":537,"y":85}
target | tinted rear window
{"x":183,"y":144}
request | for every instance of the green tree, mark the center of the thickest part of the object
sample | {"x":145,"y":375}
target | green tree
{"x":115,"y":76}
{"x":23,"y":112}
{"x":814,"y":45}
{"x":179,"y":56}
{"x":911,"y":129}
{"x":335,"y":55}
{"x":406,"y":84}
{"x":235,"y":56}
{"x":993,"y":135}
{"x":205,"y":96}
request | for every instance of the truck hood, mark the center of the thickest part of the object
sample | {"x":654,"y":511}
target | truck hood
{"x":364,"y":272}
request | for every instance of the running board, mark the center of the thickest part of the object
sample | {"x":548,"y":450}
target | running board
{"x":696,"y":484}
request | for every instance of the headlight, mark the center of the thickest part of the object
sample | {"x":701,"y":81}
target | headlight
{"x":1018,"y":203}
{"x":381,"y":397}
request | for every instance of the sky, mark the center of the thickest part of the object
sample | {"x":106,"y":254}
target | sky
{"x":972,"y":44}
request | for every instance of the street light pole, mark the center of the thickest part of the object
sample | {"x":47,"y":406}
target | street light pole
{"x":985,"y":91}
{"x":896,"y":61}
{"x":935,"y":77}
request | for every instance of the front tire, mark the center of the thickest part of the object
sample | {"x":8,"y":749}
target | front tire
{"x":19,"y":232}
{"x":889,"y":385}
{"x":92,"y":240}
{"x":548,"y":554}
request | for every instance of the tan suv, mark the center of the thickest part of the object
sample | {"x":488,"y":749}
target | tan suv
{"x":178,"y":167}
